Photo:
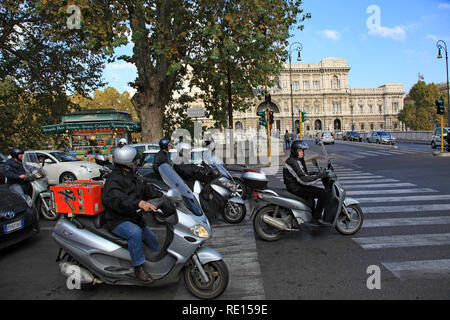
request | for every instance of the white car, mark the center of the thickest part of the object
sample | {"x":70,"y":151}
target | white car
{"x":143,"y":147}
{"x":62,"y":167}
{"x":325,"y":137}
{"x":436,"y":138}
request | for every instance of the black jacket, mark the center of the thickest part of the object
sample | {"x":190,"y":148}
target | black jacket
{"x":161,"y":158}
{"x":296,"y":176}
{"x":12,"y":170}
{"x":121,"y":196}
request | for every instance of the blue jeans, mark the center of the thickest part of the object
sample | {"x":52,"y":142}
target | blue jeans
{"x":135,"y":235}
{"x":17,"y":188}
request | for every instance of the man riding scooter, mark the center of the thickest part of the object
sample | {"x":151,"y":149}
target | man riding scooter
{"x":299,"y":182}
{"x":123,"y":194}
{"x":15,"y":173}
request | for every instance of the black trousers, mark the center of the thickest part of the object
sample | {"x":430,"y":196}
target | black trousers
{"x":311,"y":192}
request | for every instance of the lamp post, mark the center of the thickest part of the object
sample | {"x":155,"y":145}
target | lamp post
{"x":298,"y":48}
{"x":442,"y":45}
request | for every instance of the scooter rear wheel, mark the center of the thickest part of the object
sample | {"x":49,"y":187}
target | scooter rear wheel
{"x":262,"y":229}
{"x":349,"y":227}
{"x":218,"y":275}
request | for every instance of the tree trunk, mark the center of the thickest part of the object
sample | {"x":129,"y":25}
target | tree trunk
{"x":151,"y":113}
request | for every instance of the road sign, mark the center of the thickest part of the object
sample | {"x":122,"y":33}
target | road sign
{"x":196,"y":112}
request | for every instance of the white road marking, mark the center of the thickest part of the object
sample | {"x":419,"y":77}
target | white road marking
{"x":403,"y":241}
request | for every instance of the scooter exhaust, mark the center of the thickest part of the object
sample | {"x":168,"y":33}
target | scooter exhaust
{"x":276,"y":223}
{"x":73,"y":270}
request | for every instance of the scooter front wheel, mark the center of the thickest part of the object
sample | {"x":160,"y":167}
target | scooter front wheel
{"x":234,"y":212}
{"x":351,"y":223}
{"x":218,"y":275}
{"x":42,"y":209}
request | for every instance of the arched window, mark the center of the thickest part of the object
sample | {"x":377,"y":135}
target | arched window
{"x":335,"y":83}
{"x":238,"y":125}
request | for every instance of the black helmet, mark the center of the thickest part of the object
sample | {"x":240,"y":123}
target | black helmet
{"x":296,"y":145}
{"x":15,"y":153}
{"x":164,"y":143}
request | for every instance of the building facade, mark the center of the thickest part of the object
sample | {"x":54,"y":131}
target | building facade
{"x":322,"y":91}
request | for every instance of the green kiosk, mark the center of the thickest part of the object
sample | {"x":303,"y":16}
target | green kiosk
{"x":94,"y":131}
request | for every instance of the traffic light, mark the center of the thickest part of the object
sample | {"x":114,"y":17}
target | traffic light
{"x":262,"y":118}
{"x":271,"y":117}
{"x":304,"y":118}
{"x":440,"y":106}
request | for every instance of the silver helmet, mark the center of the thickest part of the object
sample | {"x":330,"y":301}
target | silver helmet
{"x":126,"y":156}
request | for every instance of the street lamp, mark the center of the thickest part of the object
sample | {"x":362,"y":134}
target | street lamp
{"x":442,"y":45}
{"x":298,"y":48}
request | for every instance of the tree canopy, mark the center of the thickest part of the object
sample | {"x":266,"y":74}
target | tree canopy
{"x":421,"y":113}
{"x":230,"y":44}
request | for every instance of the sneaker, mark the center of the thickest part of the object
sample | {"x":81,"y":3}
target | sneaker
{"x":143,"y":275}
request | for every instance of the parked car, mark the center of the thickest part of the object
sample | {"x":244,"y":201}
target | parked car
{"x":436,"y":137}
{"x":352,"y":136}
{"x":2,"y":162}
{"x":18,"y":221}
{"x":63,"y":167}
{"x":325,"y":136}
{"x":143,"y":147}
{"x":380,"y":137}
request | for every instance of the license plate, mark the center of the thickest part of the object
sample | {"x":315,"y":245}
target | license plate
{"x":13,"y":226}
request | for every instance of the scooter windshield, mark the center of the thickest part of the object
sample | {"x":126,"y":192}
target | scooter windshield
{"x":325,"y":154}
{"x":213,"y":161}
{"x":31,"y":163}
{"x":173,"y":180}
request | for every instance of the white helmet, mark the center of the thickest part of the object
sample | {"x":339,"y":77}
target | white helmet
{"x":122,"y":142}
{"x":126,"y":156}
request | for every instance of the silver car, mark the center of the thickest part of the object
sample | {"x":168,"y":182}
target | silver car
{"x":380,"y":137}
{"x":325,"y":136}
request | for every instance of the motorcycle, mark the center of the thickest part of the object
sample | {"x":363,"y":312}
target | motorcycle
{"x":276,"y":211}
{"x":40,"y":193}
{"x":221,"y":194}
{"x":103,"y":257}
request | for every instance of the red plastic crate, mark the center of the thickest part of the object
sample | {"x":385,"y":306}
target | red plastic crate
{"x":87,"y":193}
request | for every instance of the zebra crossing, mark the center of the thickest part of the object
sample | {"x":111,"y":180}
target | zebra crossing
{"x":377,"y":197}
{"x":371,"y":153}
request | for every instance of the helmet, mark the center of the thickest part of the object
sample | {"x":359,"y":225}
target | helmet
{"x":122,"y":142}
{"x":210,"y":144}
{"x":15,"y":153}
{"x":100,"y":159}
{"x":126,"y":156}
{"x":164,"y":143}
{"x":297,"y":145}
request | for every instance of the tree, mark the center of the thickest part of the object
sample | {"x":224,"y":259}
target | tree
{"x":167,"y":36}
{"x":37,"y":72}
{"x":243,"y":43}
{"x":109,"y":98}
{"x":421,"y":114}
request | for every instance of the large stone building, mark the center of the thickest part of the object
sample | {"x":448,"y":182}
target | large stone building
{"x":323,"y":92}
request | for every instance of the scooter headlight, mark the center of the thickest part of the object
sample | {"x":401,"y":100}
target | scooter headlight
{"x":200,"y":231}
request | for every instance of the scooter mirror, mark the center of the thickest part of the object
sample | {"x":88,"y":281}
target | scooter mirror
{"x":174,"y":195}
{"x":314,"y":161}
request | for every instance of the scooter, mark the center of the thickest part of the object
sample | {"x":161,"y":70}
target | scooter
{"x":40,"y":195}
{"x":103,"y":257}
{"x":221,"y":194}
{"x":276,"y":211}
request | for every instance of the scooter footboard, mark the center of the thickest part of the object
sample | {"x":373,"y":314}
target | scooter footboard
{"x":206,"y":255}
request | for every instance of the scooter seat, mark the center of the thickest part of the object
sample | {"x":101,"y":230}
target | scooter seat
{"x":285,"y":193}
{"x":91,"y":223}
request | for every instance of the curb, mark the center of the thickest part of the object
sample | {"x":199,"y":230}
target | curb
{"x":441,"y":154}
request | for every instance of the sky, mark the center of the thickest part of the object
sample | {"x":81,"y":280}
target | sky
{"x":383,"y":41}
